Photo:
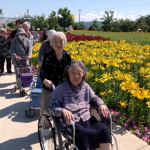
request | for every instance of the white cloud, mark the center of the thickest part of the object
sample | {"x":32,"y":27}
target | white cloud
{"x":88,"y":17}
{"x":143,"y":13}
{"x":92,"y":16}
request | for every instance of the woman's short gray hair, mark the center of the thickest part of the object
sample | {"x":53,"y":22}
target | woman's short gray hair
{"x":27,"y":23}
{"x":50,"y":33}
{"x":58,"y":33}
{"x":3,"y":30}
{"x":80,"y":64}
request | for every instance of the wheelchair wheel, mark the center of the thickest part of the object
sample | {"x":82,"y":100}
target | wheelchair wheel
{"x":30,"y":112}
{"x":22,"y":93}
{"x":49,"y":138}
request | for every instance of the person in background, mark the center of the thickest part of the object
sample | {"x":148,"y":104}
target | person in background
{"x":46,"y":47}
{"x":13,"y":33}
{"x":37,"y":35}
{"x":45,"y":32}
{"x":19,"y":48}
{"x":54,"y":63}
{"x":26,"y":27}
{"x":4,"y":51}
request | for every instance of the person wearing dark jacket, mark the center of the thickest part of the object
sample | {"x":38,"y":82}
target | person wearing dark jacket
{"x":53,"y":67}
{"x":4,"y":51}
{"x":13,"y":33}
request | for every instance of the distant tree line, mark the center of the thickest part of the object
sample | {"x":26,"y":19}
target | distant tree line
{"x":62,"y":20}
{"x":58,"y":22}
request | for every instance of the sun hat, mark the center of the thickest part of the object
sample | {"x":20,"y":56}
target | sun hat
{"x":38,"y":29}
{"x":21,"y":31}
{"x":2,"y":30}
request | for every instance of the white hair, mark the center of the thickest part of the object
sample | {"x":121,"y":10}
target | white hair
{"x":27,"y":23}
{"x":58,"y":33}
{"x":50,"y":33}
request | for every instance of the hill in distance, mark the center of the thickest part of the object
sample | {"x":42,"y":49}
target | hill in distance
{"x":87,"y":24}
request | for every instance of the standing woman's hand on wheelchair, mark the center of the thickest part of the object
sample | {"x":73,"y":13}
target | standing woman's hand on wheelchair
{"x":104,"y":110}
{"x":68,"y":116}
{"x":47,"y":83}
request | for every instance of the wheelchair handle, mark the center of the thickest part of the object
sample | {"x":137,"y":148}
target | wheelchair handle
{"x":53,"y":86}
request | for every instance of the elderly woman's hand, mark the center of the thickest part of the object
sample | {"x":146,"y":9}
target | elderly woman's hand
{"x":68,"y":116}
{"x":47,"y":83}
{"x":18,"y":58}
{"x":104,"y":110}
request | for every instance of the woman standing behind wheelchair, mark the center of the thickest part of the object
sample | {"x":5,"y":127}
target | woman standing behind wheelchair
{"x":53,"y":66}
{"x":71,"y":100}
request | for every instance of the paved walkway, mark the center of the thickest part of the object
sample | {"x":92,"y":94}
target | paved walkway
{"x":17,"y":132}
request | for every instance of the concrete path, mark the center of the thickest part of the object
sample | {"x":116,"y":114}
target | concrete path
{"x":17,"y":132}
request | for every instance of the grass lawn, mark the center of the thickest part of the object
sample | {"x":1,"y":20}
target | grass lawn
{"x":130,"y":37}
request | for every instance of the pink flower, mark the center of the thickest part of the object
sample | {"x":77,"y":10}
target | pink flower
{"x":133,"y":122}
{"x":137,"y":131}
{"x":126,"y":125}
{"x":130,"y":131}
{"x":145,"y":138}
{"x":129,"y":120}
{"x":146,"y":129}
{"x":114,"y":119}
{"x":118,"y":113}
{"x":134,"y":126}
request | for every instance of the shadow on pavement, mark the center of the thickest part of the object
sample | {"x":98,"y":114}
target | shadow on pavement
{"x":20,"y":143}
{"x":3,"y":85}
{"x":16,"y":112}
{"x":116,"y":129}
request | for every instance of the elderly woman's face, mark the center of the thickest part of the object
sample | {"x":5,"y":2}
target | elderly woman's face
{"x":26,"y":28}
{"x":76,"y":75}
{"x":58,"y":43}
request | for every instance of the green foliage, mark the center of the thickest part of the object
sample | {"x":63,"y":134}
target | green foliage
{"x":53,"y":21}
{"x":0,"y":11}
{"x":64,"y":18}
{"x":143,"y":26}
{"x":78,"y":26}
{"x":95,"y":26}
{"x":107,"y":19}
{"x":11,"y":24}
{"x":37,"y":21}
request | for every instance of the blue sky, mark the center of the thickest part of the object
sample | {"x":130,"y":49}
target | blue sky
{"x":90,"y":9}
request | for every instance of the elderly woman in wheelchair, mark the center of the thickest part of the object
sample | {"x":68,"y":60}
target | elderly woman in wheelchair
{"x":70,"y":101}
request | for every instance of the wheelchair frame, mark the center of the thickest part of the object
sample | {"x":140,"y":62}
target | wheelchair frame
{"x":59,"y":144}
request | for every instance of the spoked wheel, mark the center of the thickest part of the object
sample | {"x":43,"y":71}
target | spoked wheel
{"x":48,"y":137}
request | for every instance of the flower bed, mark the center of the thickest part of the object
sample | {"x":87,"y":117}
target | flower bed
{"x":74,"y":37}
{"x":131,"y":125}
{"x":120,"y":74}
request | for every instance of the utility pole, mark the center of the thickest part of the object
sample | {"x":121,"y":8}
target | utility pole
{"x":79,"y":15}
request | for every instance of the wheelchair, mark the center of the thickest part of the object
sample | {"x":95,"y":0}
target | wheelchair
{"x":56,"y":138}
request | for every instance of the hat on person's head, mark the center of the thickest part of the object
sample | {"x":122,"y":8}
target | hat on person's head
{"x":38,"y":29}
{"x":19,"y":21}
{"x":21,"y":31}
{"x":2,"y":30}
{"x":50,"y":33}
